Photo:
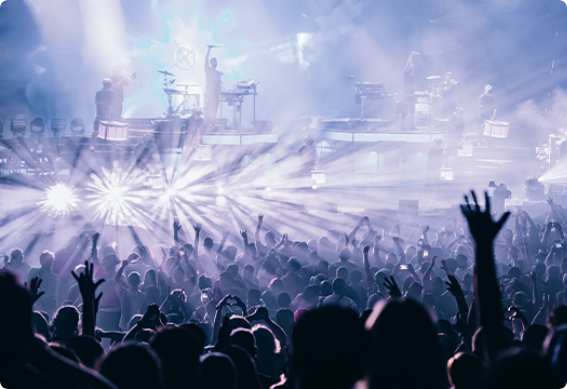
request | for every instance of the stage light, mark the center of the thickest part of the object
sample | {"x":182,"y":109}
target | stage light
{"x":77,"y":126}
{"x":268,"y":189}
{"x":221,"y":200}
{"x":59,"y":200}
{"x":58,"y":127}
{"x":37,"y":127}
{"x":19,"y":127}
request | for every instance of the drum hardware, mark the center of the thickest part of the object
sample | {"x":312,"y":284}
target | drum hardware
{"x":166,"y":73}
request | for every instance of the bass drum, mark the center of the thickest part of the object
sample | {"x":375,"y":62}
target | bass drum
{"x":496,"y":129}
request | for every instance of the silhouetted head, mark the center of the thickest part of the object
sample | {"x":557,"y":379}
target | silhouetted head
{"x":16,"y":257}
{"x":465,"y":371}
{"x":66,"y":323}
{"x":244,"y":338}
{"x":213,"y":62}
{"x":404,"y":335}
{"x":244,"y":364}
{"x":179,"y":352}
{"x":518,"y":368}
{"x":88,"y":350}
{"x":132,"y":366}
{"x":46,"y":259}
{"x":329,"y":348}
{"x":209,"y":377}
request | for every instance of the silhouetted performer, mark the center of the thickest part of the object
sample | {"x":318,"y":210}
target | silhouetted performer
{"x":213,"y":88}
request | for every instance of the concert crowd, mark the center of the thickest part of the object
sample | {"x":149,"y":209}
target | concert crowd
{"x":474,"y":305}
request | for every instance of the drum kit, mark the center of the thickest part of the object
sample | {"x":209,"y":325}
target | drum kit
{"x":184,"y":107}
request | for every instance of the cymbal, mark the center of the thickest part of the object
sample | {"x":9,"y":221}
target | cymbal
{"x":172,"y":91}
{"x":166,"y":73}
{"x":433,"y":77}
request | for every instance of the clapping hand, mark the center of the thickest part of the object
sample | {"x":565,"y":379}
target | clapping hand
{"x":33,"y":288}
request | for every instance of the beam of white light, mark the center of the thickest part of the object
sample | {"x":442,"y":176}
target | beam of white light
{"x":118,"y":197}
{"x":557,"y":174}
{"x":59,"y":200}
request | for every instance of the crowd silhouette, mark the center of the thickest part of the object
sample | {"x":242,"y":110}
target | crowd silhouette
{"x":474,"y":307}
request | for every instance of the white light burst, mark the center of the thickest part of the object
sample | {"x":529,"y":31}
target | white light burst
{"x":59,"y":200}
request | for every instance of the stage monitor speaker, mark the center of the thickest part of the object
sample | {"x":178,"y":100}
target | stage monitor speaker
{"x":262,"y":126}
{"x":408,"y":207}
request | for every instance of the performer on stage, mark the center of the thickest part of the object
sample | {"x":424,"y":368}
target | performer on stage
{"x":103,"y":100}
{"x":308,"y":155}
{"x":487,"y":109}
{"x":213,"y":88}
{"x":449,"y":94}
{"x":119,"y":81}
{"x":407,"y":105}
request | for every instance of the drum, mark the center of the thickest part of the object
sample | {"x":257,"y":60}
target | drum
{"x":496,"y":129}
{"x":112,"y":130}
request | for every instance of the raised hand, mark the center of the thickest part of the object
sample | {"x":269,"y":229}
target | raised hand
{"x":225,"y":235}
{"x":176,"y":226}
{"x":96,"y":236}
{"x":198,"y":227}
{"x":453,"y":286}
{"x":366,"y":249}
{"x":392,"y":287}
{"x":33,"y":288}
{"x":87,"y":286}
{"x":481,"y":225}
{"x":244,"y":235}
{"x":260,"y":218}
{"x":284,"y":239}
{"x":347,"y":239}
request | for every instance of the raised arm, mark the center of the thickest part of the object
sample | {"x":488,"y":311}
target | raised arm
{"x":87,"y":287}
{"x":176,"y":228}
{"x":197,"y":227}
{"x":258,"y":228}
{"x":223,"y":242}
{"x":487,"y":292}
{"x":207,"y":63}
{"x":401,"y":253}
{"x":366,"y":265}
{"x":94,"y":252}
{"x":361,"y":222}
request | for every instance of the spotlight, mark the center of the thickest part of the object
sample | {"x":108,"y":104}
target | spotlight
{"x":268,"y":189}
{"x":77,"y":126}
{"x":58,"y":127}
{"x":59,"y":200}
{"x":19,"y":127}
{"x":221,"y":200}
{"x":37,"y":127}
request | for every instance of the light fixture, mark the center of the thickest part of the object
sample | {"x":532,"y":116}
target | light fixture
{"x":58,"y":127}
{"x":19,"y":127}
{"x":37,"y":127}
{"x":77,"y":126}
